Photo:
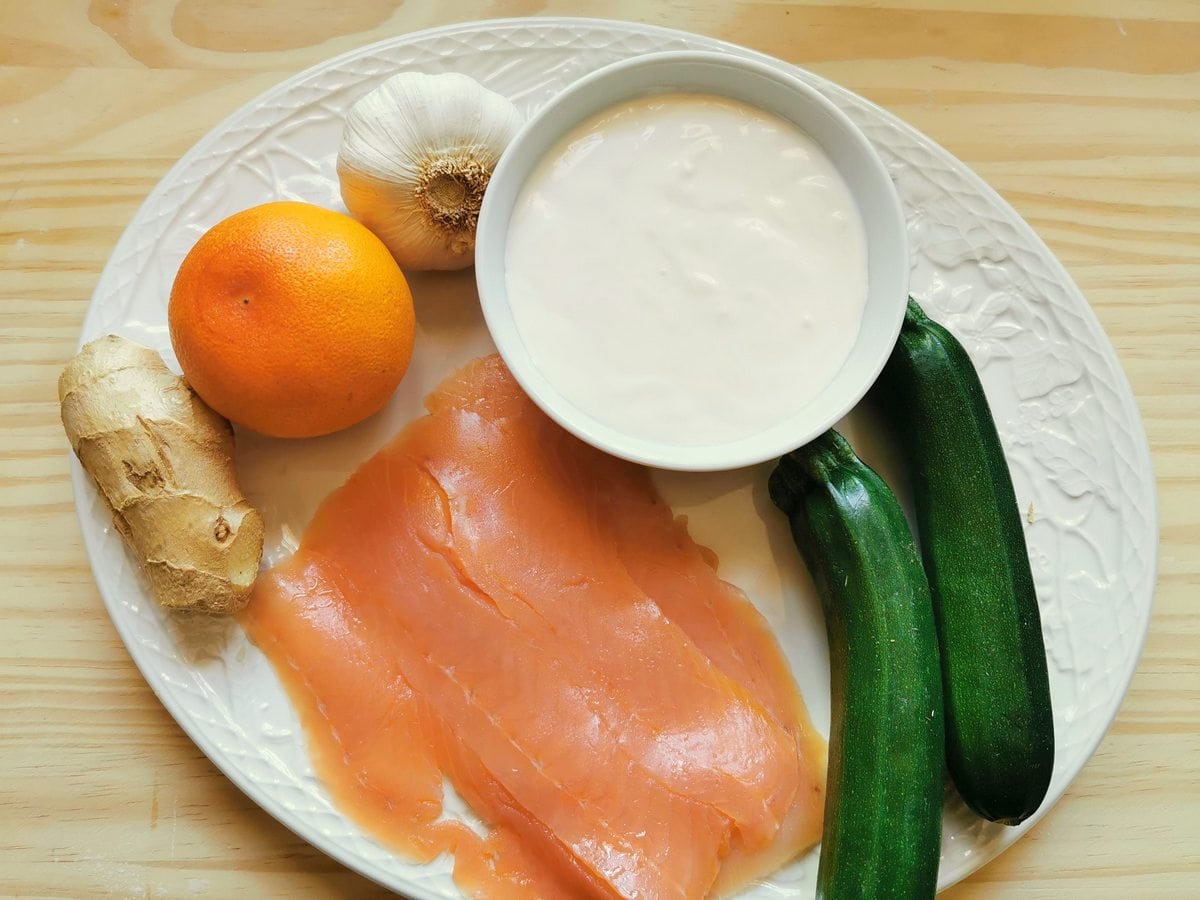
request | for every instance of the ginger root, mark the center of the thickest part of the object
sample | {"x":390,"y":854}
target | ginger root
{"x":164,"y":462}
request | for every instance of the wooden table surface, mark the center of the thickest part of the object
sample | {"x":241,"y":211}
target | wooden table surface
{"x":1084,"y":115}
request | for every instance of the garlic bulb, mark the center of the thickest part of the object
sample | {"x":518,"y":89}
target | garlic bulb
{"x":417,"y":154}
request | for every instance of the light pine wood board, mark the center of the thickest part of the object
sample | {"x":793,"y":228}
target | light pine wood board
{"x":1084,"y":115}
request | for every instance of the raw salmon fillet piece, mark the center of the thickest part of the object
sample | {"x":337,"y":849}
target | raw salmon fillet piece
{"x":489,"y":600}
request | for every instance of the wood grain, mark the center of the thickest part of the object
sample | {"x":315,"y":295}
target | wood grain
{"x":1084,"y":115}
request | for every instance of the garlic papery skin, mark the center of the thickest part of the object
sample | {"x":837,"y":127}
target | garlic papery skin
{"x":416,"y":157}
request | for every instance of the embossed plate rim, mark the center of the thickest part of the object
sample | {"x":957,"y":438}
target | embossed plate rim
{"x":97,"y":541}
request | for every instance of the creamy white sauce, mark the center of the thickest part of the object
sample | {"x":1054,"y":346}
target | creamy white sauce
{"x":687,"y":268}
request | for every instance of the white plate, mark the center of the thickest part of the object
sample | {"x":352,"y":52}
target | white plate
{"x":1070,"y":426}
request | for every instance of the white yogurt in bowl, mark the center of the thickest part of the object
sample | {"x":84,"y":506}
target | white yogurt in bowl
{"x":692,"y":261}
{"x":687,"y":268}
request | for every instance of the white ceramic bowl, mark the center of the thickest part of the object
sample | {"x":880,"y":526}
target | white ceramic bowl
{"x":770,"y":89}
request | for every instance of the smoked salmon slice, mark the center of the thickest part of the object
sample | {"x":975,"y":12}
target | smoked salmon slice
{"x":490,"y":601}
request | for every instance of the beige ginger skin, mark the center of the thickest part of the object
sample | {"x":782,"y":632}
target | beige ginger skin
{"x":164,"y":462}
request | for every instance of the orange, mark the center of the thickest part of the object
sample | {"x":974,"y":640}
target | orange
{"x":291,"y":320}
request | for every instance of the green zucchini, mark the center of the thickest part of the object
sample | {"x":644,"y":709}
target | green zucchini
{"x":999,"y":723}
{"x":883,"y":805}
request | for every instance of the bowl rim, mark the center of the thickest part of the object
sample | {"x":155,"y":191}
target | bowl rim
{"x":490,"y":275}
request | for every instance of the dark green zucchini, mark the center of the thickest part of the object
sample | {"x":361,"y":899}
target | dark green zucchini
{"x":883,"y":806}
{"x":999,"y":724}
